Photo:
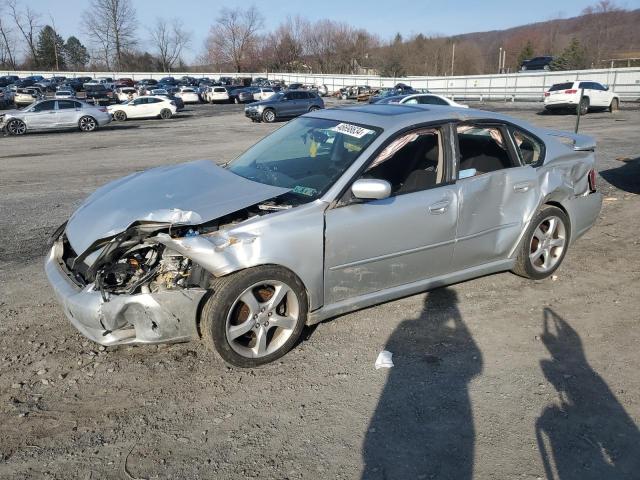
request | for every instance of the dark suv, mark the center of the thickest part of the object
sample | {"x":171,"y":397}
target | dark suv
{"x":290,"y":103}
{"x":537,"y":63}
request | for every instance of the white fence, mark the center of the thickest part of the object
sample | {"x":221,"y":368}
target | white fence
{"x":514,"y":86}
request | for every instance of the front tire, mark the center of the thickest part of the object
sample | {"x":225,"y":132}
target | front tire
{"x":544,"y":245}
{"x":16,"y":127}
{"x":584,"y":106}
{"x":87,"y":124}
{"x":255,"y":316}
{"x":615,"y":105}
{"x":269,"y":116}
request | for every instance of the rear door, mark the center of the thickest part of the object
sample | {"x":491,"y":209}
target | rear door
{"x":67,"y":113}
{"x":498,"y":195}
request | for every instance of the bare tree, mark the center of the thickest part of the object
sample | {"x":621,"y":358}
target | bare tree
{"x":111,"y":25}
{"x":28,"y":25}
{"x":170,"y":40}
{"x":7,"y":46}
{"x":234,"y":36}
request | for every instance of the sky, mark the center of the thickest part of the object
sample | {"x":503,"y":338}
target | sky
{"x":382,"y":17}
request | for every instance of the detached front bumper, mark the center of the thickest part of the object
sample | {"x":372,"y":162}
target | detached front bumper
{"x":162,"y":317}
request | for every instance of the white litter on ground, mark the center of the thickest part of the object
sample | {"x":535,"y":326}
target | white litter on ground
{"x":384,"y":360}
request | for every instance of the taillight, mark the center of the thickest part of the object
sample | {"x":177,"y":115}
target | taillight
{"x":103,"y":110}
{"x":592,"y":179}
{"x":571,"y":91}
{"x":546,"y":94}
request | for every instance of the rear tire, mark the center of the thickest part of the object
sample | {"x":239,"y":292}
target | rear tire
{"x":314,"y":108}
{"x":16,"y":127}
{"x":87,"y":124}
{"x":119,"y":116}
{"x":615,"y":105}
{"x":239,"y":314}
{"x":165,"y":114}
{"x":544,"y":244}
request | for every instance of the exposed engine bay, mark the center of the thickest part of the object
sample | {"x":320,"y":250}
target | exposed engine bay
{"x":131,"y":262}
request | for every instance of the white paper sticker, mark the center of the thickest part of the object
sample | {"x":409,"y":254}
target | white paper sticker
{"x":351,"y":130}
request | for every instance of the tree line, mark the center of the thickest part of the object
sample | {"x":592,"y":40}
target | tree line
{"x":238,"y":41}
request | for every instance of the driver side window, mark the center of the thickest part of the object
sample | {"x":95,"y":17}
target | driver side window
{"x":411,"y":163}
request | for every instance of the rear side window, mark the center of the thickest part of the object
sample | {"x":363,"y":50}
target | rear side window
{"x":67,"y":105}
{"x":561,"y":86}
{"x":430,"y":100}
{"x":219,"y":90}
{"x":482,"y":150}
{"x":530,"y":150}
{"x":154,"y":100}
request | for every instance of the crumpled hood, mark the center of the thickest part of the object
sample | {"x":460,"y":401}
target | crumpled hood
{"x":187,"y":194}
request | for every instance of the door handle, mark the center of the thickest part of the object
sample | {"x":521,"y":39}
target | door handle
{"x":522,"y":187}
{"x":439,"y":208}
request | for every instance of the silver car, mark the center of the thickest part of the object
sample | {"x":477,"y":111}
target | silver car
{"x":335,"y":211}
{"x":54,"y":115}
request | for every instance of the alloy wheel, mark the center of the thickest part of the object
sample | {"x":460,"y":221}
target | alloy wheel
{"x":87,"y":124}
{"x":262,"y":319}
{"x":547,"y":244}
{"x":16,"y":127}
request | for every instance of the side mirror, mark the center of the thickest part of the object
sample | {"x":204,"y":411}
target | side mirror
{"x":371,"y":189}
{"x":606,"y":87}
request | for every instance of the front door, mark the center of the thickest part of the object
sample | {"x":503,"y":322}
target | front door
{"x":378,"y":244}
{"x":42,"y":115}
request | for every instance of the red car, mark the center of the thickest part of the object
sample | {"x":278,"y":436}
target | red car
{"x":124,"y":82}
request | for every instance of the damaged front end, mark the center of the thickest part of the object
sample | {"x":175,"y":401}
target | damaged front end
{"x":121,"y":285}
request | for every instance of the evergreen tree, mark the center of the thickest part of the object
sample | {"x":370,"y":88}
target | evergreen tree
{"x":572,"y":58}
{"x":49,"y":49}
{"x":76,"y":54}
{"x":526,"y":53}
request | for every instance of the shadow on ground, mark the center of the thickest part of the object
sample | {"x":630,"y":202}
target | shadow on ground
{"x":587,"y":435}
{"x":625,"y":177}
{"x":423,"y":425}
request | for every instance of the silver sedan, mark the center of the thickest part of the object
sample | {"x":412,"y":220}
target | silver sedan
{"x":54,"y":115}
{"x":335,"y":211}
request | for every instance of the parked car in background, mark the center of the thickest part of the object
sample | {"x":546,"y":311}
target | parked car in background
{"x":216,"y":95}
{"x":262,"y":93}
{"x":290,"y":103}
{"x":124,"y":82}
{"x":7,"y":80}
{"x":322,"y":90}
{"x":243,"y":257}
{"x":144,"y":107}
{"x":26,"y":96}
{"x":537,"y":63}
{"x":233,"y":92}
{"x":25,"y":82}
{"x":244,"y":95}
{"x":146,"y":81}
{"x":188,"y":95}
{"x":177,"y":100}
{"x":563,"y":96}
{"x":64,"y":93}
{"x":55,"y":115}
{"x":6,"y":97}
{"x":106,"y":82}
{"x":78,"y":83}
{"x":168,"y":81}
{"x":422,"y":99}
{"x":98,"y":94}
{"x":125,"y":94}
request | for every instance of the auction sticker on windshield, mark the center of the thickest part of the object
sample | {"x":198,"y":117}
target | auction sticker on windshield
{"x":351,"y":130}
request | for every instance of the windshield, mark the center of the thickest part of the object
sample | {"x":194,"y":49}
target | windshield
{"x":307,"y":155}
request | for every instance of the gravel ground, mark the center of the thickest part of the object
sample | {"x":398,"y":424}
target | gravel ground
{"x":495,"y":378}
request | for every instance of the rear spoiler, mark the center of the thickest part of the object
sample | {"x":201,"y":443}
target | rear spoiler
{"x":581,"y":143}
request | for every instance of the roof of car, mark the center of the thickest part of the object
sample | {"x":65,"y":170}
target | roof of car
{"x":398,"y":116}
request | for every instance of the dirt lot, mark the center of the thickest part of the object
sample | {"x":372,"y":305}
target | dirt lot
{"x":496,"y":378}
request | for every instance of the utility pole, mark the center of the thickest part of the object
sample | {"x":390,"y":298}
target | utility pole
{"x":500,"y":60}
{"x":504,"y":60}
{"x":453,"y":58}
{"x":55,"y":42}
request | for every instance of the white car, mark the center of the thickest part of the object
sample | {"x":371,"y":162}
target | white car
{"x":125,"y":94}
{"x":144,"y":107}
{"x":188,"y":95}
{"x":423,"y":99}
{"x":64,"y":94}
{"x":106,"y":81}
{"x":566,"y":95}
{"x":263,"y":93}
{"x":216,"y":95}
